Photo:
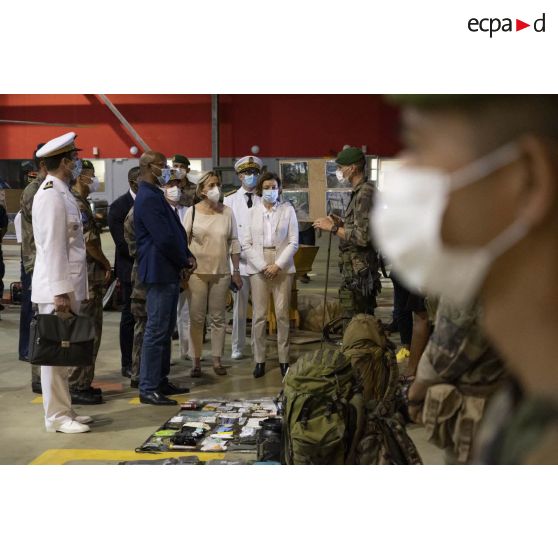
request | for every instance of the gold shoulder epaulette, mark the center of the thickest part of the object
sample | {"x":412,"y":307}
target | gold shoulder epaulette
{"x":48,"y":185}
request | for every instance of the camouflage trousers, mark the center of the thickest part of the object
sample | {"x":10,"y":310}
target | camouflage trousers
{"x":80,"y":377}
{"x":140,"y":318}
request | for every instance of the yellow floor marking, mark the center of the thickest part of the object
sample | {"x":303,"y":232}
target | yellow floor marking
{"x":179,"y":398}
{"x":62,"y":456}
{"x":38,"y":399}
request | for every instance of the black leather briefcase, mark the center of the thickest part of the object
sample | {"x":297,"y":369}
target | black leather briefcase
{"x":56,"y":341}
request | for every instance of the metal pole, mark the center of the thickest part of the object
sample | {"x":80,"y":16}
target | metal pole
{"x":131,"y":130}
{"x":326,"y":283}
{"x":215,"y":158}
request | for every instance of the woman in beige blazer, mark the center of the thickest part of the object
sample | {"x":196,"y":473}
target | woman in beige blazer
{"x":270,"y":243}
{"x":212,"y":239}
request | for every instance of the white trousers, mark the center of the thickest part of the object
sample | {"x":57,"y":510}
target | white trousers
{"x":240,"y":310}
{"x":183,"y":324}
{"x":57,"y":401}
{"x":280,"y":289}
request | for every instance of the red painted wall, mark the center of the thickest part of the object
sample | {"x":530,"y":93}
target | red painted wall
{"x":282,"y":125}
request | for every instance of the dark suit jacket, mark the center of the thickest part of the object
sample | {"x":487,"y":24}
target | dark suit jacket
{"x":118,"y":210}
{"x":161,"y":242}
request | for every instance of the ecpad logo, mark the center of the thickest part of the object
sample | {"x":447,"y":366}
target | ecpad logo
{"x":493,"y":25}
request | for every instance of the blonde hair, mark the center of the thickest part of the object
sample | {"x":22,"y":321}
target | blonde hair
{"x":203,"y":179}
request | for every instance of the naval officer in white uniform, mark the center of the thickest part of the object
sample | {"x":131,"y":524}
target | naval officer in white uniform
{"x":241,"y":202}
{"x":60,"y":274}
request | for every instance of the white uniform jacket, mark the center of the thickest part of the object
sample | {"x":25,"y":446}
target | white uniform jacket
{"x":286,"y":239}
{"x":60,"y":265}
{"x":238,"y":202}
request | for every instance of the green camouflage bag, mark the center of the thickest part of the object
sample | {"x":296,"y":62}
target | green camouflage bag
{"x":322,"y":410}
{"x":385,"y":440}
{"x":372,"y":357}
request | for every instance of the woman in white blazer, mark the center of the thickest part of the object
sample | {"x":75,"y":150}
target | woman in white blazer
{"x":270,"y":243}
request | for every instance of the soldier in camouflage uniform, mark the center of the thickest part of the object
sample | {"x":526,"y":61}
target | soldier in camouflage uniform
{"x":493,"y":158}
{"x":99,"y":273}
{"x":187,"y":188}
{"x":28,"y":252}
{"x":457,"y":374}
{"x":358,"y":260}
{"x":138,"y":298}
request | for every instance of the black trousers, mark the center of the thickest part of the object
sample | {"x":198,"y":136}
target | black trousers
{"x":402,"y":315}
{"x":26,"y":313}
{"x":126,"y":326}
{"x":307,"y":237}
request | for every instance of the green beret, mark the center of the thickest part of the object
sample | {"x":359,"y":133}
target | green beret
{"x":350,"y":156}
{"x":181,"y":159}
{"x":87,"y":165}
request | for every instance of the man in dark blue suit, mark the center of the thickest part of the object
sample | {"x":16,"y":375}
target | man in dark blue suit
{"x":123,"y":267}
{"x":163,"y":260}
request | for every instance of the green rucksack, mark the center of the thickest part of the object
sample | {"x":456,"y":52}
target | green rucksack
{"x":322,"y":410}
{"x":372,"y":357}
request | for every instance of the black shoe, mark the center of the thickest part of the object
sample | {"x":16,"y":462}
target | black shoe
{"x":259,"y":371}
{"x":134,"y":384}
{"x":24,"y":358}
{"x":85,"y":398}
{"x":36,"y":387}
{"x":284,"y":366}
{"x":91,"y":389}
{"x":391,"y":328}
{"x":126,"y":371}
{"x":156,"y":398}
{"x":171,"y":389}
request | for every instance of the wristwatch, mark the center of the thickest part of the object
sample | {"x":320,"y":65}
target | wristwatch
{"x":236,"y":270}
{"x":334,"y":229}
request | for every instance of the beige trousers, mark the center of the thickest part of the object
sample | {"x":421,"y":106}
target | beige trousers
{"x":207,"y":295}
{"x":280,"y":289}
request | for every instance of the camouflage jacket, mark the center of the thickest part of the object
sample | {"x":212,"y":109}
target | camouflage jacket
{"x":357,"y":256}
{"x":518,"y":430}
{"x":458,"y":352}
{"x":91,"y":234}
{"x":28,"y":250}
{"x":139,"y":291}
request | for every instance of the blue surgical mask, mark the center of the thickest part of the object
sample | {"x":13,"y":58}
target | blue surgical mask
{"x":250,"y":180}
{"x":270,"y":196}
{"x":165,"y":176}
{"x":76,"y":171}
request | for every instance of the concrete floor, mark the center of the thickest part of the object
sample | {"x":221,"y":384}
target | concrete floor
{"x":122,"y":423}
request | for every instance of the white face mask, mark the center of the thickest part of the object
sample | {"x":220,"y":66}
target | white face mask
{"x":172,"y":193}
{"x":270,"y":196}
{"x":178,"y":174}
{"x":340,"y":178}
{"x":213,"y":194}
{"x":407,"y":221}
{"x":94,"y":185}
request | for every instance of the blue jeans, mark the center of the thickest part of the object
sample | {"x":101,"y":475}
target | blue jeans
{"x":26,"y":312}
{"x":162,"y":300}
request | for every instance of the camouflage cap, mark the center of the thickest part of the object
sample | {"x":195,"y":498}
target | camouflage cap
{"x":181,"y":159}
{"x":350,"y":156}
